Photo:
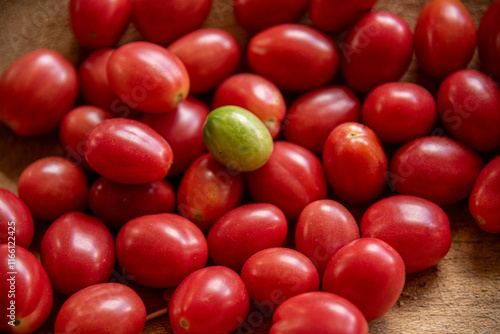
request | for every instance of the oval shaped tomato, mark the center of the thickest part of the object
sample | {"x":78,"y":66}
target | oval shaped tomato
{"x":36,"y":91}
{"x":488,"y":35}
{"x":294,"y":56}
{"x":445,"y":37}
{"x":292,"y":178}
{"x":244,"y":231}
{"x":469,"y":106}
{"x":436,"y":168}
{"x":365,"y":61}
{"x":418,"y":229}
{"x":369,"y":273}
{"x":312,"y":117}
{"x":101,"y":308}
{"x":16,"y":222}
{"x":127,"y":151}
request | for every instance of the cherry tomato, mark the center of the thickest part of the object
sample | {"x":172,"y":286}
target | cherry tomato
{"x":366,"y":63}
{"x":276,"y":274}
{"x":148,"y":77}
{"x":244,"y":231}
{"x":127,"y":151}
{"x":160,"y":250}
{"x":445,"y":37}
{"x":436,"y":168}
{"x":318,"y":312}
{"x":36,"y":91}
{"x":312,"y":117}
{"x":323,"y":227}
{"x":208,"y":190}
{"x":161,"y":22}
{"x":212,"y":300}
{"x":102,"y":308}
{"x":469,"y":106}
{"x":292,"y":178}
{"x":369,"y":273}
{"x":52,"y":186}
{"x":256,"y":94}
{"x":484,"y":201}
{"x":488,"y":35}
{"x":355,"y":163}
{"x":16,"y":222}
{"x":99,"y":24}
{"x":26,"y":298}
{"x":295,"y":57}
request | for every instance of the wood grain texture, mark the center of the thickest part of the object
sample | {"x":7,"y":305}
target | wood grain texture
{"x":459,"y":295}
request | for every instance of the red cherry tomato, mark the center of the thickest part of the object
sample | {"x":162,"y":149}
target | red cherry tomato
{"x":102,"y":308}
{"x":484,"y":201}
{"x":295,"y":57}
{"x":127,"y":151}
{"x":36,"y":91}
{"x":244,"y":231}
{"x":256,"y":94}
{"x":27,"y":297}
{"x":445,"y":37}
{"x":366,"y":62}
{"x":292,"y":178}
{"x":312,"y":117}
{"x":161,"y":22}
{"x":488,"y":35}
{"x":369,"y":273}
{"x":318,"y":312}
{"x":210,"y":300}
{"x":16,"y":222}
{"x":436,"y":168}
{"x":148,"y":77}
{"x":77,"y":250}
{"x":469,"y":106}
{"x":99,"y":24}
{"x":52,"y":186}
{"x":160,"y":250}
{"x":415,"y":227}
{"x":323,"y":227}
{"x":355,"y":163}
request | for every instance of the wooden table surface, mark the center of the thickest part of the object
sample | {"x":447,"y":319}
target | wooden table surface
{"x":459,"y":295}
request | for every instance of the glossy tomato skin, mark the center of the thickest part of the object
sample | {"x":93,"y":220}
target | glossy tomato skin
{"x":160,"y":250}
{"x":99,"y":24}
{"x":148,"y":77}
{"x":323,"y":227}
{"x":211,"y":300}
{"x":365,"y":61}
{"x":77,"y":250}
{"x":418,"y":229}
{"x":36,"y":91}
{"x":244,"y":231}
{"x":469,"y":107}
{"x":436,"y":168}
{"x":276,"y":274}
{"x":127,"y":151}
{"x":484,"y":201}
{"x":208,"y":190}
{"x":369,"y":273}
{"x":488,"y":47}
{"x":52,"y":186}
{"x":117,"y":203}
{"x":444,"y":42}
{"x":256,"y":94}
{"x":355,"y":163}
{"x":318,"y":312}
{"x":16,"y":222}
{"x":312,"y":117}
{"x":32,"y":293}
{"x":399,"y":112}
{"x":295,"y":57}
{"x":161,"y":22}
{"x":292,"y":178}
{"x":102,"y":308}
